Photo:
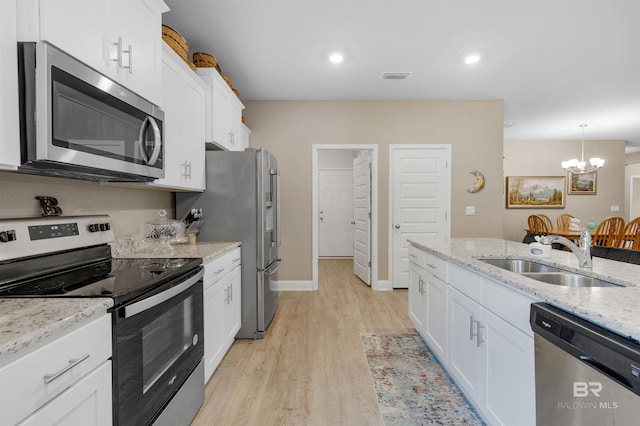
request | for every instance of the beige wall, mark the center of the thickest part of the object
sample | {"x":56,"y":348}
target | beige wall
{"x":128,"y":208}
{"x":632,"y":185}
{"x":474,"y":129}
{"x":542,"y":158}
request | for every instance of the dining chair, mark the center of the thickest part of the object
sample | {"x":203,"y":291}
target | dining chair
{"x":563,"y":220}
{"x":629,"y":237}
{"x":547,"y":222}
{"x":608,"y":232}
{"x":538,"y":225}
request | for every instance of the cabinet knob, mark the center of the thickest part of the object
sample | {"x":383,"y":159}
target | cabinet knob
{"x":397,"y":226}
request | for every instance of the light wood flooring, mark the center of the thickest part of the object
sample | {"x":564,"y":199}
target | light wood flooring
{"x":310,"y":369}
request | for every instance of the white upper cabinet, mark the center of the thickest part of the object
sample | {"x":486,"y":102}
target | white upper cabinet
{"x":119,"y":38}
{"x":9,"y":122}
{"x":223,"y":112}
{"x":183,"y":98}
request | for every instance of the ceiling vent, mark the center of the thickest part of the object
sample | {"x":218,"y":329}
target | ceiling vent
{"x":395,"y":75}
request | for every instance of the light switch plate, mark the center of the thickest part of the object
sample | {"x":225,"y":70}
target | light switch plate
{"x":615,"y":208}
{"x":471,"y":210}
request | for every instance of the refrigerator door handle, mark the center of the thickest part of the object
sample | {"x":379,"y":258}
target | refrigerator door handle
{"x":275,"y":236}
{"x":277,"y":263}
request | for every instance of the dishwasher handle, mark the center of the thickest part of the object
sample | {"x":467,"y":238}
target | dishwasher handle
{"x":605,"y":370}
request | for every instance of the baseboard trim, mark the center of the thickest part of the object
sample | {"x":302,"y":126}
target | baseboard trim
{"x":383,"y":285}
{"x":291,"y":285}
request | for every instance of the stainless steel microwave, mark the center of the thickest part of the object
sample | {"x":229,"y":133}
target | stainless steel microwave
{"x":77,"y":123}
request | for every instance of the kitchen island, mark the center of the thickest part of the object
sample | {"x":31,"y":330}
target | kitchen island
{"x":615,"y":308}
{"x":474,"y":316}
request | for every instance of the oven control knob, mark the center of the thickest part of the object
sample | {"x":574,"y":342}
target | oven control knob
{"x":103,"y":227}
{"x":94,"y":227}
{"x":195,"y":339}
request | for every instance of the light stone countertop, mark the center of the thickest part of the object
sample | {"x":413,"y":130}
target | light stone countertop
{"x":26,"y":322}
{"x":615,"y":308}
{"x":139,"y":248}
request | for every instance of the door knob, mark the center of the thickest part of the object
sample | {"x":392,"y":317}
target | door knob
{"x":397,"y":226}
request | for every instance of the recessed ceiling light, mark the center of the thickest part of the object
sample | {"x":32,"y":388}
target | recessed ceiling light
{"x":472,"y":59}
{"x":336,"y":58}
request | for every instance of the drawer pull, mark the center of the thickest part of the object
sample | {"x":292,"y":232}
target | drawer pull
{"x":431,"y":265}
{"x":237,"y":259}
{"x":413,"y":256}
{"x":219,"y":271}
{"x":48,"y":378}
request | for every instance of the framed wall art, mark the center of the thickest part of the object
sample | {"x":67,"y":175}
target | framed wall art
{"x":582,"y":183}
{"x":536,"y":192}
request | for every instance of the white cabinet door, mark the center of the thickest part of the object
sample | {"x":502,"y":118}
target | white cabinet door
{"x":509,"y":376}
{"x":183,"y":97}
{"x":436,"y":323}
{"x":120,"y":39}
{"x":233,"y":313}
{"x":223,"y":111}
{"x":87,"y":403}
{"x":139,"y":24}
{"x":465,"y":352}
{"x":245,"y":136}
{"x":9,"y":121}
{"x":417,"y":298}
{"x":214,"y":329}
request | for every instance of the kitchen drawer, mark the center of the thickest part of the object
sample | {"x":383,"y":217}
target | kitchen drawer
{"x":221,"y":266}
{"x":510,"y":305}
{"x":417,"y":256}
{"x":466,"y":282}
{"x":61,"y":363}
{"x":433,"y":264}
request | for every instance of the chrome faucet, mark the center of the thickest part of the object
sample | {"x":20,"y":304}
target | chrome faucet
{"x":583,"y":252}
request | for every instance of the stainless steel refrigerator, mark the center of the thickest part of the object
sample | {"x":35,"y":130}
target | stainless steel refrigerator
{"x":242,"y":203}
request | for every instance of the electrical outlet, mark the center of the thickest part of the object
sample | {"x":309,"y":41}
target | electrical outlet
{"x":471,"y":210}
{"x":615,"y":208}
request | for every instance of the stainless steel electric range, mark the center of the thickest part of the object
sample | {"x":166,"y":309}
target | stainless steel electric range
{"x":157,"y":317}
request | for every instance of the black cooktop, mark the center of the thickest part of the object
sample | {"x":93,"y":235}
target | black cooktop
{"x":121,"y":279}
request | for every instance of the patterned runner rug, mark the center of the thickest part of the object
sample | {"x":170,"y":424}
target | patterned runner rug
{"x":411,"y":387}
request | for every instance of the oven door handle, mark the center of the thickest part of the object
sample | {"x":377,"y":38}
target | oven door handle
{"x":156,"y":299}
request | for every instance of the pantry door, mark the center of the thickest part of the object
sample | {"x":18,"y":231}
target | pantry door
{"x":420,"y":200}
{"x":362,"y":216}
{"x":335,"y":188}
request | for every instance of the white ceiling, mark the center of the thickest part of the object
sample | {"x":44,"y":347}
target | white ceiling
{"x":555,"y":63}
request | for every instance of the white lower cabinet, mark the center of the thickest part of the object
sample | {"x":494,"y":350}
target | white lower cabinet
{"x":87,"y":403}
{"x":66,"y":381}
{"x":417,"y":298}
{"x":222,"y":308}
{"x":479,"y":330}
{"x":465,"y":351}
{"x":436,"y":326}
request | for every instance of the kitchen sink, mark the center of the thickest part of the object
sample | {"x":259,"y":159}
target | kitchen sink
{"x":520,"y":265}
{"x":548,"y":274}
{"x":570,"y":279}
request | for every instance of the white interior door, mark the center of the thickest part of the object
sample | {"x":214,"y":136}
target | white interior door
{"x":421,"y":185}
{"x":362,"y":216}
{"x":335,"y":213}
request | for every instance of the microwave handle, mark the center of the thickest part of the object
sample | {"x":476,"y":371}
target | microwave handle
{"x":157,"y":141}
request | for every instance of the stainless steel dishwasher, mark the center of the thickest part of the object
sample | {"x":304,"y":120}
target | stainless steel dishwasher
{"x":585,"y":375}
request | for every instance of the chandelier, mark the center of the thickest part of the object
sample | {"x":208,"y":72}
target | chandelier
{"x":575,"y":166}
